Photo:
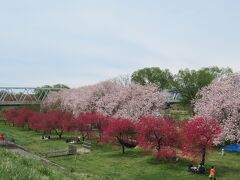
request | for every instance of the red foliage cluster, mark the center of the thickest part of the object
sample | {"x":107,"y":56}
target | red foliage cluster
{"x":100,"y":122}
{"x":199,"y":135}
{"x":82,"y":124}
{"x":37,"y":122}
{"x":166,"y":153}
{"x":58,"y":122}
{"x":159,"y":135}
{"x":122,"y":131}
{"x":18,"y":117}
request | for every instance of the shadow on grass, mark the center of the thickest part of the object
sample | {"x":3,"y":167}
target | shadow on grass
{"x":129,"y":153}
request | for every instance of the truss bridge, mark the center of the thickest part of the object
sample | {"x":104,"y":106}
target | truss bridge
{"x":10,"y":96}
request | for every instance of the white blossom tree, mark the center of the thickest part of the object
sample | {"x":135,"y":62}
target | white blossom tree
{"x":221,"y":100}
{"x":126,"y":101}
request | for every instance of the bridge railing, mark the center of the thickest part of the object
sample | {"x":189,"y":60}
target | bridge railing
{"x":23,"y":95}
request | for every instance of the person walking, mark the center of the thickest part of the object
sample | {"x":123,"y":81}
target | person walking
{"x":222,"y":152}
{"x":212,"y":173}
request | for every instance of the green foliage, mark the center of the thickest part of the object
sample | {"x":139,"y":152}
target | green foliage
{"x":154,"y":75}
{"x":186,"y":82}
{"x":40,"y":94}
{"x":189,"y":82}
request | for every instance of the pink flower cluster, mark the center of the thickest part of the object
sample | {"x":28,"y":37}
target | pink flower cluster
{"x":109,"y":98}
{"x":221,"y":100}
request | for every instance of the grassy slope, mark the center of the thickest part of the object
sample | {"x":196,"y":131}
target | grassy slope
{"x":14,"y":166}
{"x":107,"y":161}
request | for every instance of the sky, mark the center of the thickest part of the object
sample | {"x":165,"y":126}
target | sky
{"x":81,"y":42}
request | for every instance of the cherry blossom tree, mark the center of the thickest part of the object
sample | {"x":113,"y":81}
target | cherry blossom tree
{"x":111,"y":99}
{"x":221,"y":100}
{"x":132,"y":102}
{"x":53,"y":101}
{"x":198,"y":136}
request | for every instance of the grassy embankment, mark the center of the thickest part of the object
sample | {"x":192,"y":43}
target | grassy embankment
{"x":107,"y":161}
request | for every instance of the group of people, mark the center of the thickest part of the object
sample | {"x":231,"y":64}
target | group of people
{"x":200,"y":169}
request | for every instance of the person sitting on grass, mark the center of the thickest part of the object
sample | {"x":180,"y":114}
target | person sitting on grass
{"x":192,"y":168}
{"x":201,"y":168}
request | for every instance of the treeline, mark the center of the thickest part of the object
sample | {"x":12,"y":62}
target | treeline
{"x":186,"y":82}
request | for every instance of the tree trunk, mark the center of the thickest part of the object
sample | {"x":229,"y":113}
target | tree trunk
{"x":203,"y":156}
{"x":59,"y":133}
{"x":158,"y":144}
{"x":122,"y":144}
{"x":123,"y":149}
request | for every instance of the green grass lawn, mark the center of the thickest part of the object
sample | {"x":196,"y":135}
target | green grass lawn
{"x":108,"y":162}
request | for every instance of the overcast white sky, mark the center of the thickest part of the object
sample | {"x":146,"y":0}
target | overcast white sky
{"x":79,"y":42}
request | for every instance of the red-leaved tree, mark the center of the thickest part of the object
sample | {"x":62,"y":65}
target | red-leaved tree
{"x":98,"y":122}
{"x":121,"y":131}
{"x":11,"y":115}
{"x":198,"y":136}
{"x":56,"y":121}
{"x":82,"y":124}
{"x":35,"y":121}
{"x":23,"y":117}
{"x":157,"y":133}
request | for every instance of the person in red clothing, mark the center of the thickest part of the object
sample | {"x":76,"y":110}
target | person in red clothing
{"x":212,"y":173}
{"x":2,"y":138}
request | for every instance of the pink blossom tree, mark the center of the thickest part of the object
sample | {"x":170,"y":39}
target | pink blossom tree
{"x":53,"y":101}
{"x":221,"y":100}
{"x":111,"y":99}
{"x":133,"y":102}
